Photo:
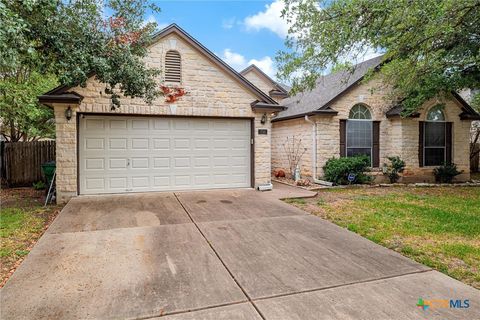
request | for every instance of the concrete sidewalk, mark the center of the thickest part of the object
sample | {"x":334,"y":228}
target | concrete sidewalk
{"x":224,"y":254}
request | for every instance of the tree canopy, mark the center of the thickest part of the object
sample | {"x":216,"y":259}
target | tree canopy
{"x":430,"y":47}
{"x":46,"y":42}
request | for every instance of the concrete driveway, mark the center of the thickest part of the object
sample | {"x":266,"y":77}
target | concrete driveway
{"x":227,"y":254}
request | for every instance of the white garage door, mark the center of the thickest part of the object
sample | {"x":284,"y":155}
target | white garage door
{"x":136,"y":154}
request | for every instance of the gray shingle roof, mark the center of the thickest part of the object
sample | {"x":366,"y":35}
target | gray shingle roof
{"x":328,"y":88}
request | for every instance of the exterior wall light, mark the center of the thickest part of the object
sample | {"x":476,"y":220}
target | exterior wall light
{"x":264,"y":119}
{"x":68,"y":113}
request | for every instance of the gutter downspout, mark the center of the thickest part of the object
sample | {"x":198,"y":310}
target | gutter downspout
{"x":314,"y":150}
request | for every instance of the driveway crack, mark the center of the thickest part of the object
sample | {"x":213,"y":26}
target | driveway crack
{"x":219,"y":258}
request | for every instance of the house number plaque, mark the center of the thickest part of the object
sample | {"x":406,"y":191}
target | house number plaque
{"x":262,"y":131}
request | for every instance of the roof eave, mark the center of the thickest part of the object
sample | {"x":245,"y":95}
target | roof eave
{"x":328,"y":112}
{"x":468,"y":116}
{"x":261,"y":106}
{"x":59,"y":98}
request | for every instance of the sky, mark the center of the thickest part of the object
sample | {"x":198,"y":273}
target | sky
{"x":239,"y":32}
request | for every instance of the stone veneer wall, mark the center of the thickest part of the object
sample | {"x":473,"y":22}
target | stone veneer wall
{"x":211,"y":92}
{"x":397,"y":136}
{"x":299,"y":128}
{"x":258,"y":81}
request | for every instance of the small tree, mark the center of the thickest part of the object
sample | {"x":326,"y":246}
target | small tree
{"x":396,"y":166}
{"x":294,"y":150}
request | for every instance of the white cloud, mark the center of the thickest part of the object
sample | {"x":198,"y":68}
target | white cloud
{"x":151,"y":19}
{"x":265,"y":64}
{"x":269,"y":19}
{"x":228,"y":23}
{"x":235,"y":60}
{"x":239,"y":62}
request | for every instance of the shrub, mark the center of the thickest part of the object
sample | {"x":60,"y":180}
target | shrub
{"x":396,"y":166}
{"x":40,"y":185}
{"x":337,"y":170}
{"x":446,"y":172}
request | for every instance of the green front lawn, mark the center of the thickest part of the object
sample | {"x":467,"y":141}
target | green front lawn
{"x":439,"y":227}
{"x":23,"y":219}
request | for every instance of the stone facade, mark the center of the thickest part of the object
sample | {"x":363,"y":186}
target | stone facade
{"x":211,"y":93}
{"x":259,"y":81}
{"x":302,"y":131}
{"x":398,"y":136}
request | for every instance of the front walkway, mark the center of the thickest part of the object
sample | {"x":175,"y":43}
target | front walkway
{"x":225,"y":254}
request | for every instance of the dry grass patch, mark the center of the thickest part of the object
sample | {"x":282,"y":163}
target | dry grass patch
{"x":439,"y":227}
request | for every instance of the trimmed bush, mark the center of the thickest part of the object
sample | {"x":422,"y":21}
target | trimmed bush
{"x":446,"y":173}
{"x":337,"y":170}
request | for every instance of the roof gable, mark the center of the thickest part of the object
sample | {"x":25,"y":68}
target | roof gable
{"x":173,"y":28}
{"x":328,"y":88}
{"x":275,"y":86}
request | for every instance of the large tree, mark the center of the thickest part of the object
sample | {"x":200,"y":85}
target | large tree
{"x":431,"y":46}
{"x":45,"y":42}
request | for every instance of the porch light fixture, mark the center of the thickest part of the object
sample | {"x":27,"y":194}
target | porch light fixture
{"x":68,"y":113}
{"x":264,"y":119}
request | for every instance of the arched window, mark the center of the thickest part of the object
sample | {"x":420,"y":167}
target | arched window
{"x":436,"y":113}
{"x":173,"y":67}
{"x":359,"y":112}
{"x":434,"y":147}
{"x":359,"y":132}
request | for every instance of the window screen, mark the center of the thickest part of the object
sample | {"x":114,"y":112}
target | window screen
{"x":359,"y":138}
{"x":434,"y":148}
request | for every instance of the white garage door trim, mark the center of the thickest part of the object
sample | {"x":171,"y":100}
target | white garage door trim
{"x":125,"y":153}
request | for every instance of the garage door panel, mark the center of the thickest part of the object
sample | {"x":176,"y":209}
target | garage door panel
{"x":117,"y":143}
{"x":95,"y":124}
{"x":139,"y":143}
{"x":119,"y":124}
{"x":122,"y":154}
{"x":94,"y":144}
{"x":140,"y":124}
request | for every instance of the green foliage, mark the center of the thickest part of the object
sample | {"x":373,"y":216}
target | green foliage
{"x":337,"y":170}
{"x":72,"y":39}
{"x":446,"y":172}
{"x":395,"y":167}
{"x":40,"y":185}
{"x":431,"y":47}
{"x":22,"y":116}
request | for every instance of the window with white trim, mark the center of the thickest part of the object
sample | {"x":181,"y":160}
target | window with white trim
{"x":359,"y":132}
{"x":434,"y":147}
{"x":173,"y":66}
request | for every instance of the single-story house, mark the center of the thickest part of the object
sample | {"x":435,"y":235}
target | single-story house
{"x":217,"y":135}
{"x":345,"y":116}
{"x":229,"y":129}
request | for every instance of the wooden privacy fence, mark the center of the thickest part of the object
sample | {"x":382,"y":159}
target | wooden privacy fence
{"x":474,"y":162}
{"x":21,"y":161}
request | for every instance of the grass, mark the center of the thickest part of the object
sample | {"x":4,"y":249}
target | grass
{"x":439,"y":227}
{"x":23,"y":219}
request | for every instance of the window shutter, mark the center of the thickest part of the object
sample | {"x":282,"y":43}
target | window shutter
{"x":343,"y":138}
{"x":420,"y":143}
{"x":173,"y":70}
{"x":448,"y":142}
{"x":376,"y":144}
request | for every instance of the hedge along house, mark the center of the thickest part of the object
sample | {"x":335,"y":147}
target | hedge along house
{"x":215,"y":136}
{"x":344,"y":116}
